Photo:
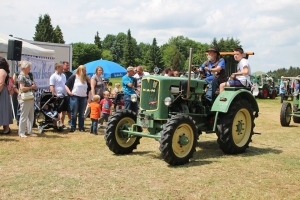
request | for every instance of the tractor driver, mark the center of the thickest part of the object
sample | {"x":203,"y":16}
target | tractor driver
{"x":128,"y":89}
{"x":214,"y":70}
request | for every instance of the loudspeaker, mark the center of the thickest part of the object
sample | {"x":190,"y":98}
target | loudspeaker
{"x":14,"y":50}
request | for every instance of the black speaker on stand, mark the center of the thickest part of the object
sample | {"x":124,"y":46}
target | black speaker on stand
{"x":14,"y":50}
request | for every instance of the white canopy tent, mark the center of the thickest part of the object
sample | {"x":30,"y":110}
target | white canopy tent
{"x":27,"y":48}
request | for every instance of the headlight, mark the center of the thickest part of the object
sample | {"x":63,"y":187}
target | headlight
{"x":168,"y":101}
{"x":133,"y":98}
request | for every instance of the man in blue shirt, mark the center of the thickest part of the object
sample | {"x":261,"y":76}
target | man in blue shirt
{"x":214,"y":71}
{"x":128,"y":89}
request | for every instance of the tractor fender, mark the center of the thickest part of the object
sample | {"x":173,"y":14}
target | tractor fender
{"x":224,"y":100}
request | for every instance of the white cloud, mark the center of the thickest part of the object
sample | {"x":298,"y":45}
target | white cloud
{"x":269,"y":28}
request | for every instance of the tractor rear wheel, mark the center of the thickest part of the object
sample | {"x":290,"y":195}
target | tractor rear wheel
{"x":178,"y":140}
{"x":286,"y":109}
{"x":265,"y":93}
{"x":117,"y":141}
{"x":273,"y":94}
{"x":235,"y":128}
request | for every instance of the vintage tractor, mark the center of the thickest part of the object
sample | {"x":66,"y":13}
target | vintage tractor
{"x":174,"y":111}
{"x":290,"y":81}
{"x":287,"y":111}
{"x":266,"y":86}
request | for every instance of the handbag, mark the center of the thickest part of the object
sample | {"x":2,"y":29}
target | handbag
{"x":27,"y":96}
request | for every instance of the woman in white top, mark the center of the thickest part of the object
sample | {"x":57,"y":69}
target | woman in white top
{"x":242,"y":76}
{"x":78,"y":88}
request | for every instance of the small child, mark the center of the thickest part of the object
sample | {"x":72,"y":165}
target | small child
{"x":116,"y":90}
{"x":95,"y":114}
{"x":105,"y":104}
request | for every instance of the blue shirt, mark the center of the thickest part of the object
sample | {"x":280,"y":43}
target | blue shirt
{"x":209,"y":75}
{"x":125,"y":80}
{"x":282,"y":89}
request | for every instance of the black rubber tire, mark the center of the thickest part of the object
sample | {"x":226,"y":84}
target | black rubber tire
{"x":296,"y":119}
{"x":273,"y":94}
{"x":285,"y":109}
{"x":116,"y":141}
{"x":232,"y":141}
{"x":174,"y":130}
{"x":260,"y":94}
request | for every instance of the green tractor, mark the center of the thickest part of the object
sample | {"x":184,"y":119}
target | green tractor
{"x":287,"y":111}
{"x":174,"y":111}
{"x":265,"y":87}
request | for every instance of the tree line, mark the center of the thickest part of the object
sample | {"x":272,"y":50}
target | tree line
{"x":125,"y":50}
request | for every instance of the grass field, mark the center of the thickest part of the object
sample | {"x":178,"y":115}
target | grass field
{"x":80,"y":166}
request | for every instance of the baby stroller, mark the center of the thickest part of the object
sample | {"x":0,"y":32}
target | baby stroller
{"x":47,"y":111}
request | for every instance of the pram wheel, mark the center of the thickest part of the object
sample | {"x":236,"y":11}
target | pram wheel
{"x":40,"y":129}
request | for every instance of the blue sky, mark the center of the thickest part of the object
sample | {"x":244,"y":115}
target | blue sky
{"x":268,"y":28}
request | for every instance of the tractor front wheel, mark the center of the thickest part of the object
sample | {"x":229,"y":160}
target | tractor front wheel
{"x":178,"y":140}
{"x":116,"y":140}
{"x":286,"y":109}
{"x":235,"y":128}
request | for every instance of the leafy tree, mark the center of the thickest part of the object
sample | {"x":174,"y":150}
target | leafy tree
{"x":58,"y":36}
{"x":141,"y":50}
{"x":108,"y":41}
{"x":129,"y":51}
{"x":116,"y":52}
{"x":84,"y":53}
{"x":106,"y":55}
{"x":44,"y":30}
{"x":153,"y":58}
{"x":97,"y":41}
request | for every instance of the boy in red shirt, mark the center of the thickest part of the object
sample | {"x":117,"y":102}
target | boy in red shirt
{"x":95,"y":114}
{"x":105,"y":104}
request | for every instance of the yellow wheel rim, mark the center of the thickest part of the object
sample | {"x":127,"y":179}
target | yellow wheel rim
{"x":184,"y":131}
{"x":241,"y":127}
{"x":121,"y":138}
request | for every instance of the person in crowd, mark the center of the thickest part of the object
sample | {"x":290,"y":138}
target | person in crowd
{"x":138,"y":76}
{"x":105,"y":105}
{"x":176,"y":74}
{"x":67,"y":73}
{"x":5,"y":105}
{"x":57,"y":87}
{"x":282,"y":90}
{"x":168,"y":72}
{"x":66,"y":70}
{"x":116,"y":90}
{"x":214,"y":71}
{"x":95,"y":113}
{"x":26,"y":106}
{"x":16,"y":90}
{"x":297,"y":85}
{"x":106,"y":85}
{"x":128,"y":88}
{"x":97,"y":85}
{"x":78,"y":88}
{"x":242,"y":76}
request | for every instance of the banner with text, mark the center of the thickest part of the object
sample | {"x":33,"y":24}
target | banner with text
{"x":41,"y":68}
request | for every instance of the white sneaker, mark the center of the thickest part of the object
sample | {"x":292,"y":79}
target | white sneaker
{"x":32,"y":135}
{"x":22,"y":135}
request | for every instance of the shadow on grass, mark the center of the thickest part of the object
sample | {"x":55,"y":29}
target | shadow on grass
{"x":291,"y":126}
{"x":8,"y":140}
{"x":211,"y":150}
